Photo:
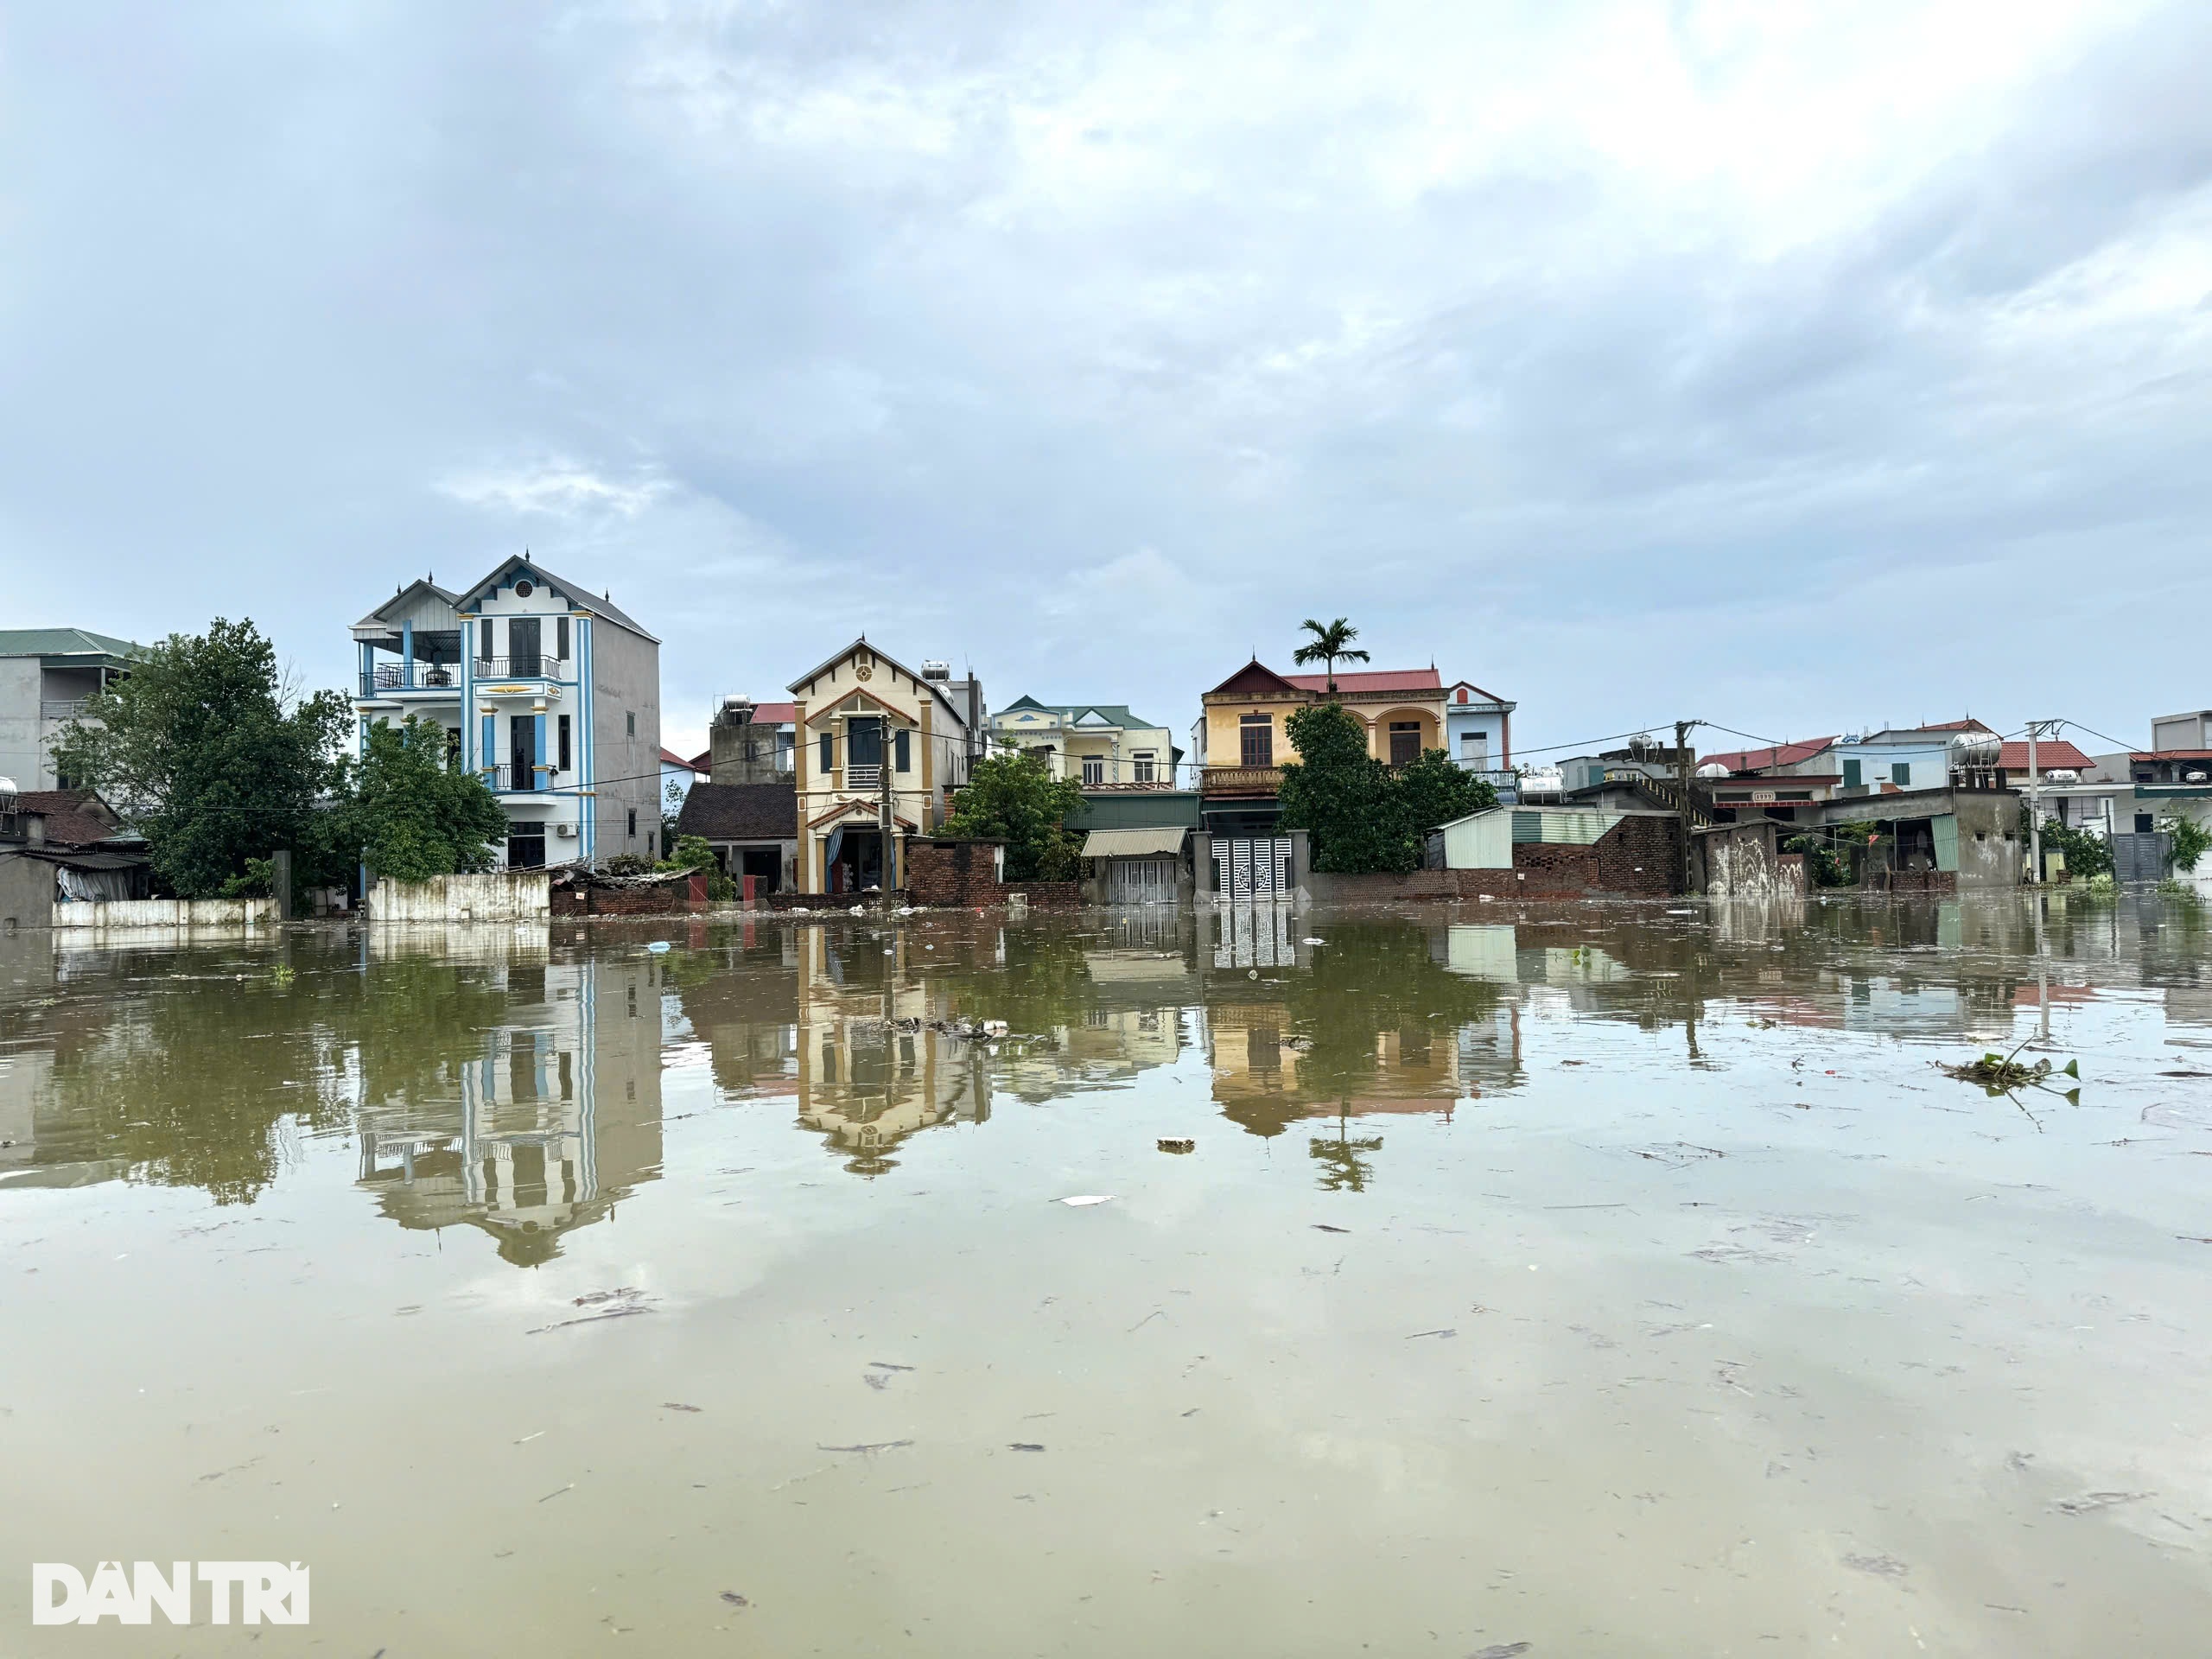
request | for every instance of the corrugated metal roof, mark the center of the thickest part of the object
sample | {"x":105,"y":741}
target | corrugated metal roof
{"x":1778,"y":754}
{"x":1132,"y":843}
{"x":63,"y":642}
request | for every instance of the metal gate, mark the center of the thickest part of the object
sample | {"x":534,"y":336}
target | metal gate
{"x":1140,"y":881}
{"x":2141,"y":857}
{"x":1253,"y":866}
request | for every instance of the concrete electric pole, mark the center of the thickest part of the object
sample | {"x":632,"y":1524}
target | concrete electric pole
{"x":1682,"y":729}
{"x":2036,"y":728}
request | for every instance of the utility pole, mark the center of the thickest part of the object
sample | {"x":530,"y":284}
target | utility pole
{"x":1682,"y":729}
{"x":2035,"y":804}
{"x":889,"y":820}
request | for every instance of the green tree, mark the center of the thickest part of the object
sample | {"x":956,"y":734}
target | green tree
{"x":1437,"y":792}
{"x":2191,"y":840}
{"x":1345,"y":798}
{"x":206,"y":751}
{"x":2087,"y":854}
{"x":1330,"y":644}
{"x":694,"y":852}
{"x":1011,"y":797}
{"x":410,"y":815}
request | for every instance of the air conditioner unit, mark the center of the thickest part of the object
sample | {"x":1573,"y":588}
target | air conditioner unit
{"x":565,"y":831}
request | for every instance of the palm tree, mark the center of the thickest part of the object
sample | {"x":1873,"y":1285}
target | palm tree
{"x":1330,"y":644}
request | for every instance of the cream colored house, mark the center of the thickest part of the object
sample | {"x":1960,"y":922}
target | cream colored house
{"x":857,"y":715}
{"x":1099,"y":744}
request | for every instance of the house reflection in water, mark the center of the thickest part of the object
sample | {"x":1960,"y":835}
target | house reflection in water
{"x":871,"y":1069}
{"x":549,"y":1120}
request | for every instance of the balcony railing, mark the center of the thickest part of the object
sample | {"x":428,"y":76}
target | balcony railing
{"x":512,"y":779}
{"x":392,"y":676}
{"x":540,"y":667}
{"x":1241,"y":780}
{"x":864,"y":777}
{"x":60,"y":707}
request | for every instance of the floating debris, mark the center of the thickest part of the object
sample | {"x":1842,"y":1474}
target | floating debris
{"x":1175,"y":1144}
{"x":1082,"y":1198}
{"x":2000,"y":1073}
{"x":2090,"y":1502}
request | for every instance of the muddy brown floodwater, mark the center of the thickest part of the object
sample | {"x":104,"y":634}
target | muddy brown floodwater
{"x":1610,"y":1281}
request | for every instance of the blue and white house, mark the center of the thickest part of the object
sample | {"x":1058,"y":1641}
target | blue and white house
{"x":552,"y":696}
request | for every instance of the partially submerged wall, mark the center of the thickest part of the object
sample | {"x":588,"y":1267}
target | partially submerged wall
{"x":1639,"y":857}
{"x":198,"y":915}
{"x":1746,"y":861}
{"x":494,"y":896}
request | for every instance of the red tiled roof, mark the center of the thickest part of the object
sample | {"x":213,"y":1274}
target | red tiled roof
{"x":775,"y":713}
{"x":1969,"y":724}
{"x":1779,"y":754}
{"x":703,"y":762}
{"x":1380,"y":679}
{"x":2172,"y":755}
{"x":2052,"y":754}
{"x":74,"y":817}
{"x":668,"y":760}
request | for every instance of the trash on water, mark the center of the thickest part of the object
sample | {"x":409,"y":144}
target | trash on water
{"x":1175,"y":1144}
{"x":995,"y":1028}
{"x":1312,"y":941}
{"x":1024,"y":1445}
{"x":658,"y":947}
{"x":734,"y":1600}
{"x":1082,"y":1198}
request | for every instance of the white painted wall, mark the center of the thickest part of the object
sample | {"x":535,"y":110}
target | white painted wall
{"x":495,"y":896}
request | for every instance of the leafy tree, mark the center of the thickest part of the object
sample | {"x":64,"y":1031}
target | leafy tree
{"x":1011,"y":797}
{"x":1330,"y":644}
{"x":1437,"y":792}
{"x":693,"y":852}
{"x":206,"y":751}
{"x":2088,"y":855}
{"x":1347,"y":799}
{"x":410,"y":815}
{"x":2191,"y":840}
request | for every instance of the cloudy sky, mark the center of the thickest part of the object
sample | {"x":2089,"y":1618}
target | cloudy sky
{"x":1796,"y":366}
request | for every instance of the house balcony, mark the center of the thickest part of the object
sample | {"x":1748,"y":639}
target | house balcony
{"x":387,"y":679}
{"x":541,"y":667}
{"x":62,"y":708}
{"x":864,"y":778}
{"x":519,"y":780}
{"x":1246,"y":782}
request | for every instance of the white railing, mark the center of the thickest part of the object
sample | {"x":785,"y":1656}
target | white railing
{"x":61,"y":708}
{"x":863,"y":777}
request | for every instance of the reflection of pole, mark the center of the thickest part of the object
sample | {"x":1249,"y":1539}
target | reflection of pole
{"x":2042,"y":979}
{"x":890,"y":877}
{"x":2035,"y":813}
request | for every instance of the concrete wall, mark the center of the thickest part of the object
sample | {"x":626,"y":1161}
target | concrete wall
{"x":193,"y":914}
{"x":626,"y":767}
{"x":1991,"y":847}
{"x":22,"y":756}
{"x":1639,"y":857}
{"x":1746,"y":861}
{"x":495,"y":896}
{"x":1484,"y":842}
{"x":26,"y":894}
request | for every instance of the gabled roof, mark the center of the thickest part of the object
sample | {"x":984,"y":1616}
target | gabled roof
{"x":1079,"y":714}
{"x":1380,"y":679}
{"x":74,"y":817}
{"x":1479,"y":694}
{"x":1779,"y":754}
{"x":881,"y":656}
{"x":2168,"y":754}
{"x":775,"y":713}
{"x":420,"y":584}
{"x":1969,"y":724}
{"x":2052,"y":754}
{"x":1256,"y":679}
{"x":523,"y":563}
{"x":63,"y":642}
{"x":677,"y":760}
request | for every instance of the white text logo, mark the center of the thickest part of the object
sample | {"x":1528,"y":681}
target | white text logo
{"x":270,"y":1593}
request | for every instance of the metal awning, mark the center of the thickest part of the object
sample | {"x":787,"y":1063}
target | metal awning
{"x":1134,"y":843}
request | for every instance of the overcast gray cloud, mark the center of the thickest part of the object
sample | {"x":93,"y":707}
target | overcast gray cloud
{"x":1793,"y":366}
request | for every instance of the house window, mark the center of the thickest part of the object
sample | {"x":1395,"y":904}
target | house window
{"x":1144,"y":770}
{"x":564,"y":739}
{"x":631,"y":723}
{"x":1405,"y":743}
{"x":1850,"y":778}
{"x":1094,"y":770}
{"x":452,"y":749}
{"x":2142,"y":824}
{"x":561,"y":638}
{"x":902,"y":753}
{"x":827,"y":758}
{"x":633,"y":823}
{"x":1258,"y":731}
{"x":1901,"y":772}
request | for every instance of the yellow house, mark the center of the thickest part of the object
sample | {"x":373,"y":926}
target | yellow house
{"x":857,"y":717}
{"x":1241,"y":739}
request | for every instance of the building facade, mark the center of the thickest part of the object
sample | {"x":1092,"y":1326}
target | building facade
{"x":865,"y":721}
{"x":46,"y":676}
{"x":1100,"y":746}
{"x":1478,"y":733}
{"x":550,"y":696}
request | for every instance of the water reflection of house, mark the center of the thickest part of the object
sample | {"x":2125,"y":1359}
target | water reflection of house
{"x":552,"y":1120}
{"x":871,"y":1069}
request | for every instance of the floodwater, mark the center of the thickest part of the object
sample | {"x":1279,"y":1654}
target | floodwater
{"x":1608,"y":1280}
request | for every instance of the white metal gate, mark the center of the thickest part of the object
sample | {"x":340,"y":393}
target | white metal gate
{"x":1140,"y":881}
{"x":1252,"y":866}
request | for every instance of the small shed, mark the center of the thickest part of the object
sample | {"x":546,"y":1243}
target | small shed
{"x":1138,"y":866}
{"x":1486,"y":840}
{"x":753,"y":829}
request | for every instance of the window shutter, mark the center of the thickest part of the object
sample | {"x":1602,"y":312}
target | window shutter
{"x":902,"y":752}
{"x":829,"y":762}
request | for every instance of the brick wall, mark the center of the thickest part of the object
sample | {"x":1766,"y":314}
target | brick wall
{"x":645,"y":898}
{"x":965,"y":872}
